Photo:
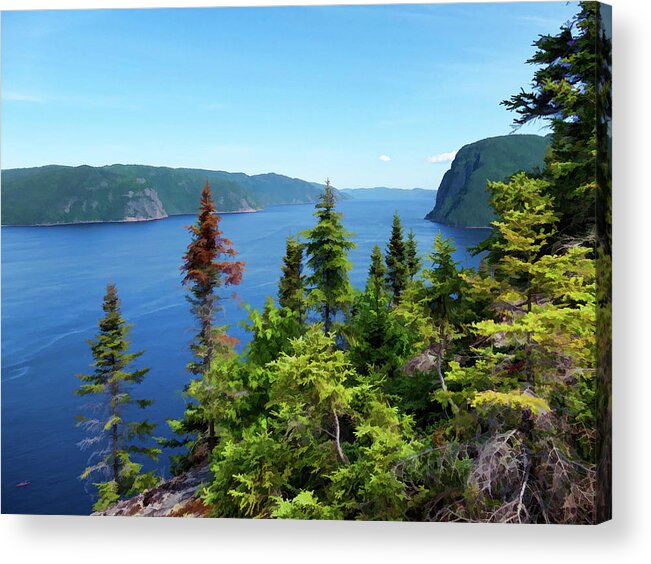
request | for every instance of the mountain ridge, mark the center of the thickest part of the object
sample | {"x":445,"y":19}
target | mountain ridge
{"x":62,"y":194}
{"x":462,"y":199}
{"x":383,"y":192}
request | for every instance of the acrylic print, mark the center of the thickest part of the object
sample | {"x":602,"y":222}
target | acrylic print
{"x":320,"y":262}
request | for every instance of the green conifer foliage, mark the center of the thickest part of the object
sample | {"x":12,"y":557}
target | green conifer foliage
{"x":572,"y":91}
{"x":530,"y":380}
{"x":325,"y":447}
{"x":272,"y":329}
{"x":377,"y":273}
{"x":326,"y":249}
{"x":397,"y":260}
{"x":272,"y":332}
{"x":444,"y":298}
{"x":206,"y":267}
{"x":545,"y":303}
{"x":564,"y":93}
{"x":113,"y":436}
{"x":413,"y":261}
{"x":445,"y":284}
{"x":432,"y":311}
{"x":291,"y":288}
{"x":211,"y":404}
{"x":526,"y":222}
{"x":378,"y":341}
{"x":529,"y":289}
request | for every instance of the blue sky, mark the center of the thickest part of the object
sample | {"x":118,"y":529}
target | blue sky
{"x":365,"y":95}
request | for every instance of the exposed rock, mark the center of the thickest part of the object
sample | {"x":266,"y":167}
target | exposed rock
{"x":144,"y":205}
{"x":176,"y":497}
{"x":462,"y":199}
{"x":53,"y":195}
{"x":423,"y":362}
{"x":66,"y":208}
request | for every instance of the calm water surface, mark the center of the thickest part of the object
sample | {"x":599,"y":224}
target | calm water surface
{"x":53,"y":281}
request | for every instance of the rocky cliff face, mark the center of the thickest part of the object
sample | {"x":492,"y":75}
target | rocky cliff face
{"x":462,"y":199}
{"x":172,"y":498}
{"x":144,"y":205}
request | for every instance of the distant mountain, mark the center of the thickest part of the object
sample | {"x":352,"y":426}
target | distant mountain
{"x":62,"y":194}
{"x":274,"y":188}
{"x":462,"y":199}
{"x":382,"y":193}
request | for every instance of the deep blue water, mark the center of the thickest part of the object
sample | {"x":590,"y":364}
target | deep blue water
{"x":53,"y":281}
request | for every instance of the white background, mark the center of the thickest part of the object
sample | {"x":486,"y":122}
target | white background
{"x":625,"y":539}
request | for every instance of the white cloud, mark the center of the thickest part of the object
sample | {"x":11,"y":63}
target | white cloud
{"x":385,"y":158}
{"x":442,"y":157}
{"x":20,"y":97}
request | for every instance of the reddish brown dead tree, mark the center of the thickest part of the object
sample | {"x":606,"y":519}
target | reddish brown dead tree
{"x":206,"y":267}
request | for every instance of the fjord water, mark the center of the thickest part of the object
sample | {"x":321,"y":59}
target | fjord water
{"x":53,"y":281}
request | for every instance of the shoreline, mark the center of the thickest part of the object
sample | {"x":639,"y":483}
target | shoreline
{"x":128,"y":220}
{"x":459,"y":226}
{"x":234,"y":212}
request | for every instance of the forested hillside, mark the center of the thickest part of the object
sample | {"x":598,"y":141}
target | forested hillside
{"x":462,"y":199}
{"x":382,"y":193}
{"x":62,"y":194}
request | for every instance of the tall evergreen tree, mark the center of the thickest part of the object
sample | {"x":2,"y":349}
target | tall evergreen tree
{"x":291,"y":288}
{"x":110,"y":432}
{"x":526,"y":222}
{"x":563,"y":93}
{"x":377,"y":341}
{"x":572,"y":91}
{"x":324,"y":447}
{"x":411,"y":248}
{"x":444,"y":298}
{"x":397,"y":260}
{"x":327,"y":248}
{"x":536,"y":357}
{"x":212,"y":397}
{"x":377,"y":274}
{"x":204,"y":273}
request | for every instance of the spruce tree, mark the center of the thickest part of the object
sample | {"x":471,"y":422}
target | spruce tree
{"x":377,"y":273}
{"x":526,"y":222}
{"x":413,"y":262}
{"x":327,"y":247}
{"x":444,"y":299}
{"x":571,"y":90}
{"x":563,"y":92}
{"x":205,"y":271}
{"x":396,"y":259}
{"x":377,"y":341}
{"x":444,"y":293}
{"x":325,"y":447}
{"x":115,"y":436}
{"x":291,"y":288}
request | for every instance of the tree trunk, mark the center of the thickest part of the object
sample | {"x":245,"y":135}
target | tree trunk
{"x":207,"y":359}
{"x":439,"y":366}
{"x":340,"y":453}
{"x":529,"y":364}
{"x":326,"y":318}
{"x":114,"y":431}
{"x":207,"y":335}
{"x":116,"y":465}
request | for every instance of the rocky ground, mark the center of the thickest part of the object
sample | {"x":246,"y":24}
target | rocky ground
{"x":176,"y":497}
